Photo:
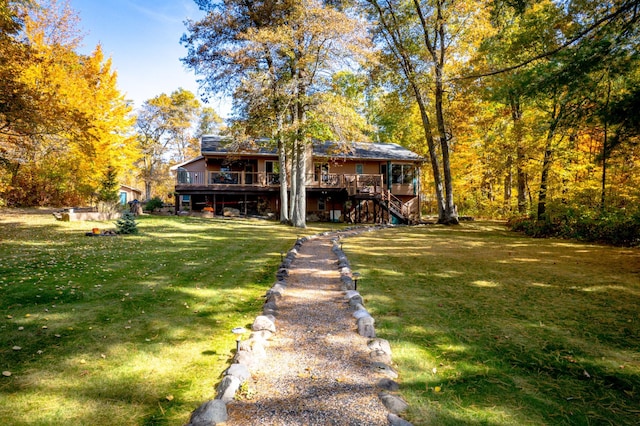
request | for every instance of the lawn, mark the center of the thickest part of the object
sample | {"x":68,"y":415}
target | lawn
{"x":126,"y":330}
{"x":489,"y":327}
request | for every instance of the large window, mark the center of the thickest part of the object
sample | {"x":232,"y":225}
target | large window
{"x":402,"y":173}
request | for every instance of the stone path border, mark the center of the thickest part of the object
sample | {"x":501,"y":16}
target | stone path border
{"x":251,"y":351}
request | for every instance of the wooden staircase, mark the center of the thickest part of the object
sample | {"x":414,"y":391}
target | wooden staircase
{"x":394,"y":206}
{"x":366,"y":189}
{"x":383,"y":202}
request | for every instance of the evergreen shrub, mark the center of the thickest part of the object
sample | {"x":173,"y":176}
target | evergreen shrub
{"x":127,"y":224}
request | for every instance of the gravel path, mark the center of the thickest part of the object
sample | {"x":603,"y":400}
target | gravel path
{"x":317,"y":370}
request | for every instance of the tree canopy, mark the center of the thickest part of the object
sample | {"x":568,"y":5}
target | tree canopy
{"x":522,"y":107}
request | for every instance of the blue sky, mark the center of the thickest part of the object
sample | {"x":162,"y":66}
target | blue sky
{"x":143,"y":39}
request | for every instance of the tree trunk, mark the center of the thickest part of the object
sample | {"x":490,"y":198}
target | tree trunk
{"x":508,"y":183}
{"x":450,"y":211}
{"x":605,"y":153}
{"x":300,"y":220}
{"x":284,"y":185}
{"x":433,"y":155}
{"x":516,"y":116}
{"x":293,"y":174}
{"x":544,"y":177}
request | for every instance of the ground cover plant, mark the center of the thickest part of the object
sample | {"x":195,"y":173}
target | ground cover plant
{"x":127,"y":329}
{"x":492,"y":327}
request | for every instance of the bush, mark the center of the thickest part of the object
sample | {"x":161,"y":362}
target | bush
{"x":154,"y":203}
{"x":616,"y":228}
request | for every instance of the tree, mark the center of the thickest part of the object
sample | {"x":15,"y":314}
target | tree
{"x":276,"y":57}
{"x":209,"y":122}
{"x":65,"y":121}
{"x":419,"y":39}
{"x":164,"y":126}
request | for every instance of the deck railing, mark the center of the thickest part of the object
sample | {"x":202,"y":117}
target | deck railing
{"x":353,"y":183}
{"x":208,"y":178}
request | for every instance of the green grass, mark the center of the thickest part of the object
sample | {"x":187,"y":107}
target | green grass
{"x":126,"y":330}
{"x":490,"y":327}
{"x":135,"y":330}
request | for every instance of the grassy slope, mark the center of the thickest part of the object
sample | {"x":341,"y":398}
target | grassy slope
{"x":490,"y":327}
{"x":128,"y":329}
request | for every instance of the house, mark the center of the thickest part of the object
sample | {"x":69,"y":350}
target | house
{"x":356,"y":182}
{"x":128,"y":194}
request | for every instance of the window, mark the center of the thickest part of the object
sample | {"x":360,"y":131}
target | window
{"x":320,"y":171}
{"x":402,"y":173}
{"x":272,"y":168}
{"x":359,"y":169}
{"x":186,"y":202}
{"x":322,"y":205}
{"x":184,"y":176}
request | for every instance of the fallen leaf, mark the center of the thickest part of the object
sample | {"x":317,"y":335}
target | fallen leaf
{"x":169,"y":397}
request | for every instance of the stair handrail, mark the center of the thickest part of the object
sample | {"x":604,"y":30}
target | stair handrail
{"x":395,"y":203}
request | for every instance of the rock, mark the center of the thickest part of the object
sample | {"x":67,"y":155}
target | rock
{"x":228,"y":388}
{"x":209,"y":414}
{"x":263,"y":322}
{"x":365,"y":327}
{"x":350,"y":293}
{"x":380,"y":356}
{"x":379,"y":344}
{"x":269,"y":311}
{"x":384,"y":369}
{"x":261,"y":335}
{"x":394,"y":420}
{"x":361,"y":313}
{"x":230,"y":212}
{"x":347,"y":282}
{"x":240,"y":371}
{"x":277,"y":289}
{"x":356,"y":300}
{"x":270,"y":305}
{"x":273,"y":297}
{"x":244,"y":357}
{"x":388,"y":384}
{"x":393,"y":403}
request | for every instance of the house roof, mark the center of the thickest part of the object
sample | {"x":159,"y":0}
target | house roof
{"x":130,"y":188}
{"x":365,"y":151}
{"x":193,"y":160}
{"x":212,"y":145}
